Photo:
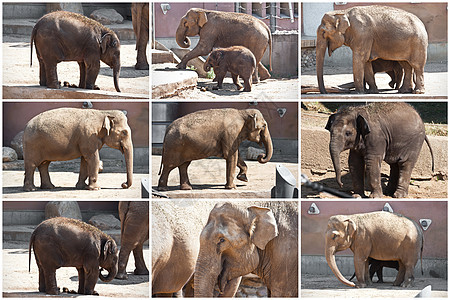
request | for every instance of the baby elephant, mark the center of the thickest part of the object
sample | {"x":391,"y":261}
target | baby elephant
{"x":64,"y":242}
{"x":238,"y":60}
{"x":393,"y":132}
{"x":376,"y":266}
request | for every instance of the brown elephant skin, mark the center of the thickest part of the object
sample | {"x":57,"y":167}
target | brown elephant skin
{"x":67,"y":36}
{"x":213,"y":132}
{"x":393,"y":132}
{"x":238,"y":60}
{"x":64,"y":242}
{"x":392,"y":68}
{"x":140,"y":17}
{"x":176,"y":228}
{"x":67,"y":133}
{"x":380,"y":235}
{"x":374,"y":32}
{"x":134,"y":228}
{"x":376,"y":266}
{"x":218,"y":29}
{"x":249,"y":237}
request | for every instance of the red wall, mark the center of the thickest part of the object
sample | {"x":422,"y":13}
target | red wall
{"x":314,"y":226}
{"x":40,"y":205}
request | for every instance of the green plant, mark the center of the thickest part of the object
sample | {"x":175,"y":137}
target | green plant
{"x":210,"y":74}
{"x":192,"y":68}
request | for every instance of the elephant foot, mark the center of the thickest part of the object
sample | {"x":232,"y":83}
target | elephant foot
{"x":247,"y":90}
{"x":360,"y":285}
{"x":239,"y":87}
{"x":376,"y":195}
{"x":392,"y":84}
{"x":405,"y":90}
{"x":141,"y":272}
{"x":373,"y":91}
{"x":230,"y":186}
{"x":419,"y":91}
{"x":162,"y":188}
{"x":264,"y":76}
{"x":400,"y":194}
{"x":47,"y":186}
{"x":29,"y":188}
{"x":185,"y":186}
{"x":181,"y":66}
{"x":122,"y":276}
{"x":242,"y":177}
{"x":93,"y":187}
{"x":81,"y":186}
{"x":142,"y":66}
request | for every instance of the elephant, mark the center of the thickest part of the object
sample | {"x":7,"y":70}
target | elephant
{"x":212,"y":132}
{"x":377,"y":266}
{"x":67,"y":36}
{"x":392,"y":68}
{"x":65,"y":242}
{"x":248,"y":237}
{"x":224,"y":29}
{"x":374,"y":32}
{"x":176,"y":228}
{"x":389,"y":131}
{"x":134,"y":228}
{"x":140,"y":17}
{"x":380,"y":235}
{"x":238,"y":60}
{"x":67,"y":133}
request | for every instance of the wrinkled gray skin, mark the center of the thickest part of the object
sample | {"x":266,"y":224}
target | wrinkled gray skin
{"x":67,"y":133}
{"x":224,"y":29}
{"x":389,"y":131}
{"x":380,"y":235}
{"x":377,"y":266}
{"x":237,"y":60}
{"x":67,"y":36}
{"x":134,"y":228}
{"x":176,"y":227}
{"x":374,"y":32}
{"x":249,"y":237}
{"x":392,"y":68}
{"x":64,"y":242}
{"x":213,"y":132}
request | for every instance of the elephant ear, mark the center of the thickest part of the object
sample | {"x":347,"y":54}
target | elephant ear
{"x":263,"y":226}
{"x":330,"y":122}
{"x":109,"y":248}
{"x":202,"y":18}
{"x":105,"y":41}
{"x":342,"y":23}
{"x":351,"y":228}
{"x":362,"y":128}
{"x":108,"y":123}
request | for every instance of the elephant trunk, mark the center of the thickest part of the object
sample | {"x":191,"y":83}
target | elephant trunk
{"x":207,"y":270}
{"x":116,"y":73}
{"x":111,"y":274}
{"x":128,"y":154}
{"x":207,"y":66}
{"x":321,"y":47}
{"x":182,"y":40}
{"x":335,"y":150}
{"x":331,"y":260}
{"x":267,"y":141}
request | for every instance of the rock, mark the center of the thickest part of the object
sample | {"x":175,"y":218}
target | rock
{"x":73,"y":7}
{"x":68,"y":209}
{"x":17,"y":144}
{"x":107,"y":16}
{"x":253,"y":153}
{"x":308,"y":58}
{"x":197,"y":63}
{"x":105,"y":222}
{"x":9,"y":154}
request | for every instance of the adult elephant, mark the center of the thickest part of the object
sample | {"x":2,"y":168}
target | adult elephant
{"x":380,"y":235}
{"x":249,"y":237}
{"x":134,"y":228}
{"x":139,"y":17}
{"x":374,"y":32}
{"x":219,"y":29}
{"x":213,"y":132}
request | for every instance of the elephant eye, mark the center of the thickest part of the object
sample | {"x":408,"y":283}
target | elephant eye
{"x":348,"y":133}
{"x":221,"y":240}
{"x":334,"y":236}
{"x":124,"y":132}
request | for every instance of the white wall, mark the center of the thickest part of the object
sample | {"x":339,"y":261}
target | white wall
{"x":312,"y":16}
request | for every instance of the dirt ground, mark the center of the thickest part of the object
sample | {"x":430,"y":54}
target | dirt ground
{"x":265,"y":90}
{"x":436,"y":79}
{"x":19,"y":283}
{"x":65,"y":186}
{"x":315,"y":286}
{"x":17,"y":70}
{"x":433,"y":188}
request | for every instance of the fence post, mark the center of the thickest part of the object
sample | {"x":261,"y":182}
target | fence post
{"x":273,"y":13}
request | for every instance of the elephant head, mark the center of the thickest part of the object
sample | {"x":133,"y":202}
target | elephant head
{"x":331,"y":35}
{"x":190,"y":25}
{"x":230,"y":245}
{"x":110,"y":55}
{"x":258,"y":131}
{"x":117,"y":135}
{"x":348,"y":129}
{"x":213,"y":60}
{"x":339,"y":236}
{"x":108,"y":259}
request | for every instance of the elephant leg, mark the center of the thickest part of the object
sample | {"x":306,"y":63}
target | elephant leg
{"x":400,"y":275}
{"x":373,"y":169}
{"x":142,"y":39}
{"x":162,"y":183}
{"x":92,"y":70}
{"x":367,"y":278}
{"x":247,"y":83}
{"x":236,"y":81}
{"x":124,"y":254}
{"x":369,"y":76}
{"x":202,"y":49}
{"x":93,"y":163}
{"x":242,"y":169}
{"x":231,"y":288}
{"x":50,"y":282}
{"x":408,"y":80}
{"x":139,"y":262}
{"x":82,"y":83}
{"x":420,"y":87}
{"x":232,"y":160}
{"x":393,"y":81}
{"x":51,"y":75}
{"x":45,"y":176}
{"x":90,"y":279}
{"x":28,"y":184}
{"x":404,"y":178}
{"x":360,"y":265}
{"x":81,"y":184}
{"x":358,"y":72}
{"x":81,"y":280}
{"x":380,"y":274}
{"x":356,"y":165}
{"x":220,"y":77}
{"x":42,"y":74}
{"x":393,"y":179}
{"x":42,"y":288}
{"x":262,"y":72}
{"x":184,"y":178}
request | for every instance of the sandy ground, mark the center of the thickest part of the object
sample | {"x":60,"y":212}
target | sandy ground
{"x":269,"y":89}
{"x":315,"y":286}
{"x":65,"y":186}
{"x":436,"y":79}
{"x":19,"y":283}
{"x":17,"y":70}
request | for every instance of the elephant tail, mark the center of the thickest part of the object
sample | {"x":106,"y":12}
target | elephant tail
{"x":431,"y":151}
{"x":161,"y":165}
{"x":421,"y":251}
{"x":33,"y":35}
{"x":270,"y":50}
{"x":29,"y":251}
{"x":124,"y":206}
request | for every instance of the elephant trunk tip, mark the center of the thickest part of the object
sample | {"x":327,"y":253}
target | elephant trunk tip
{"x":126,"y":185}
